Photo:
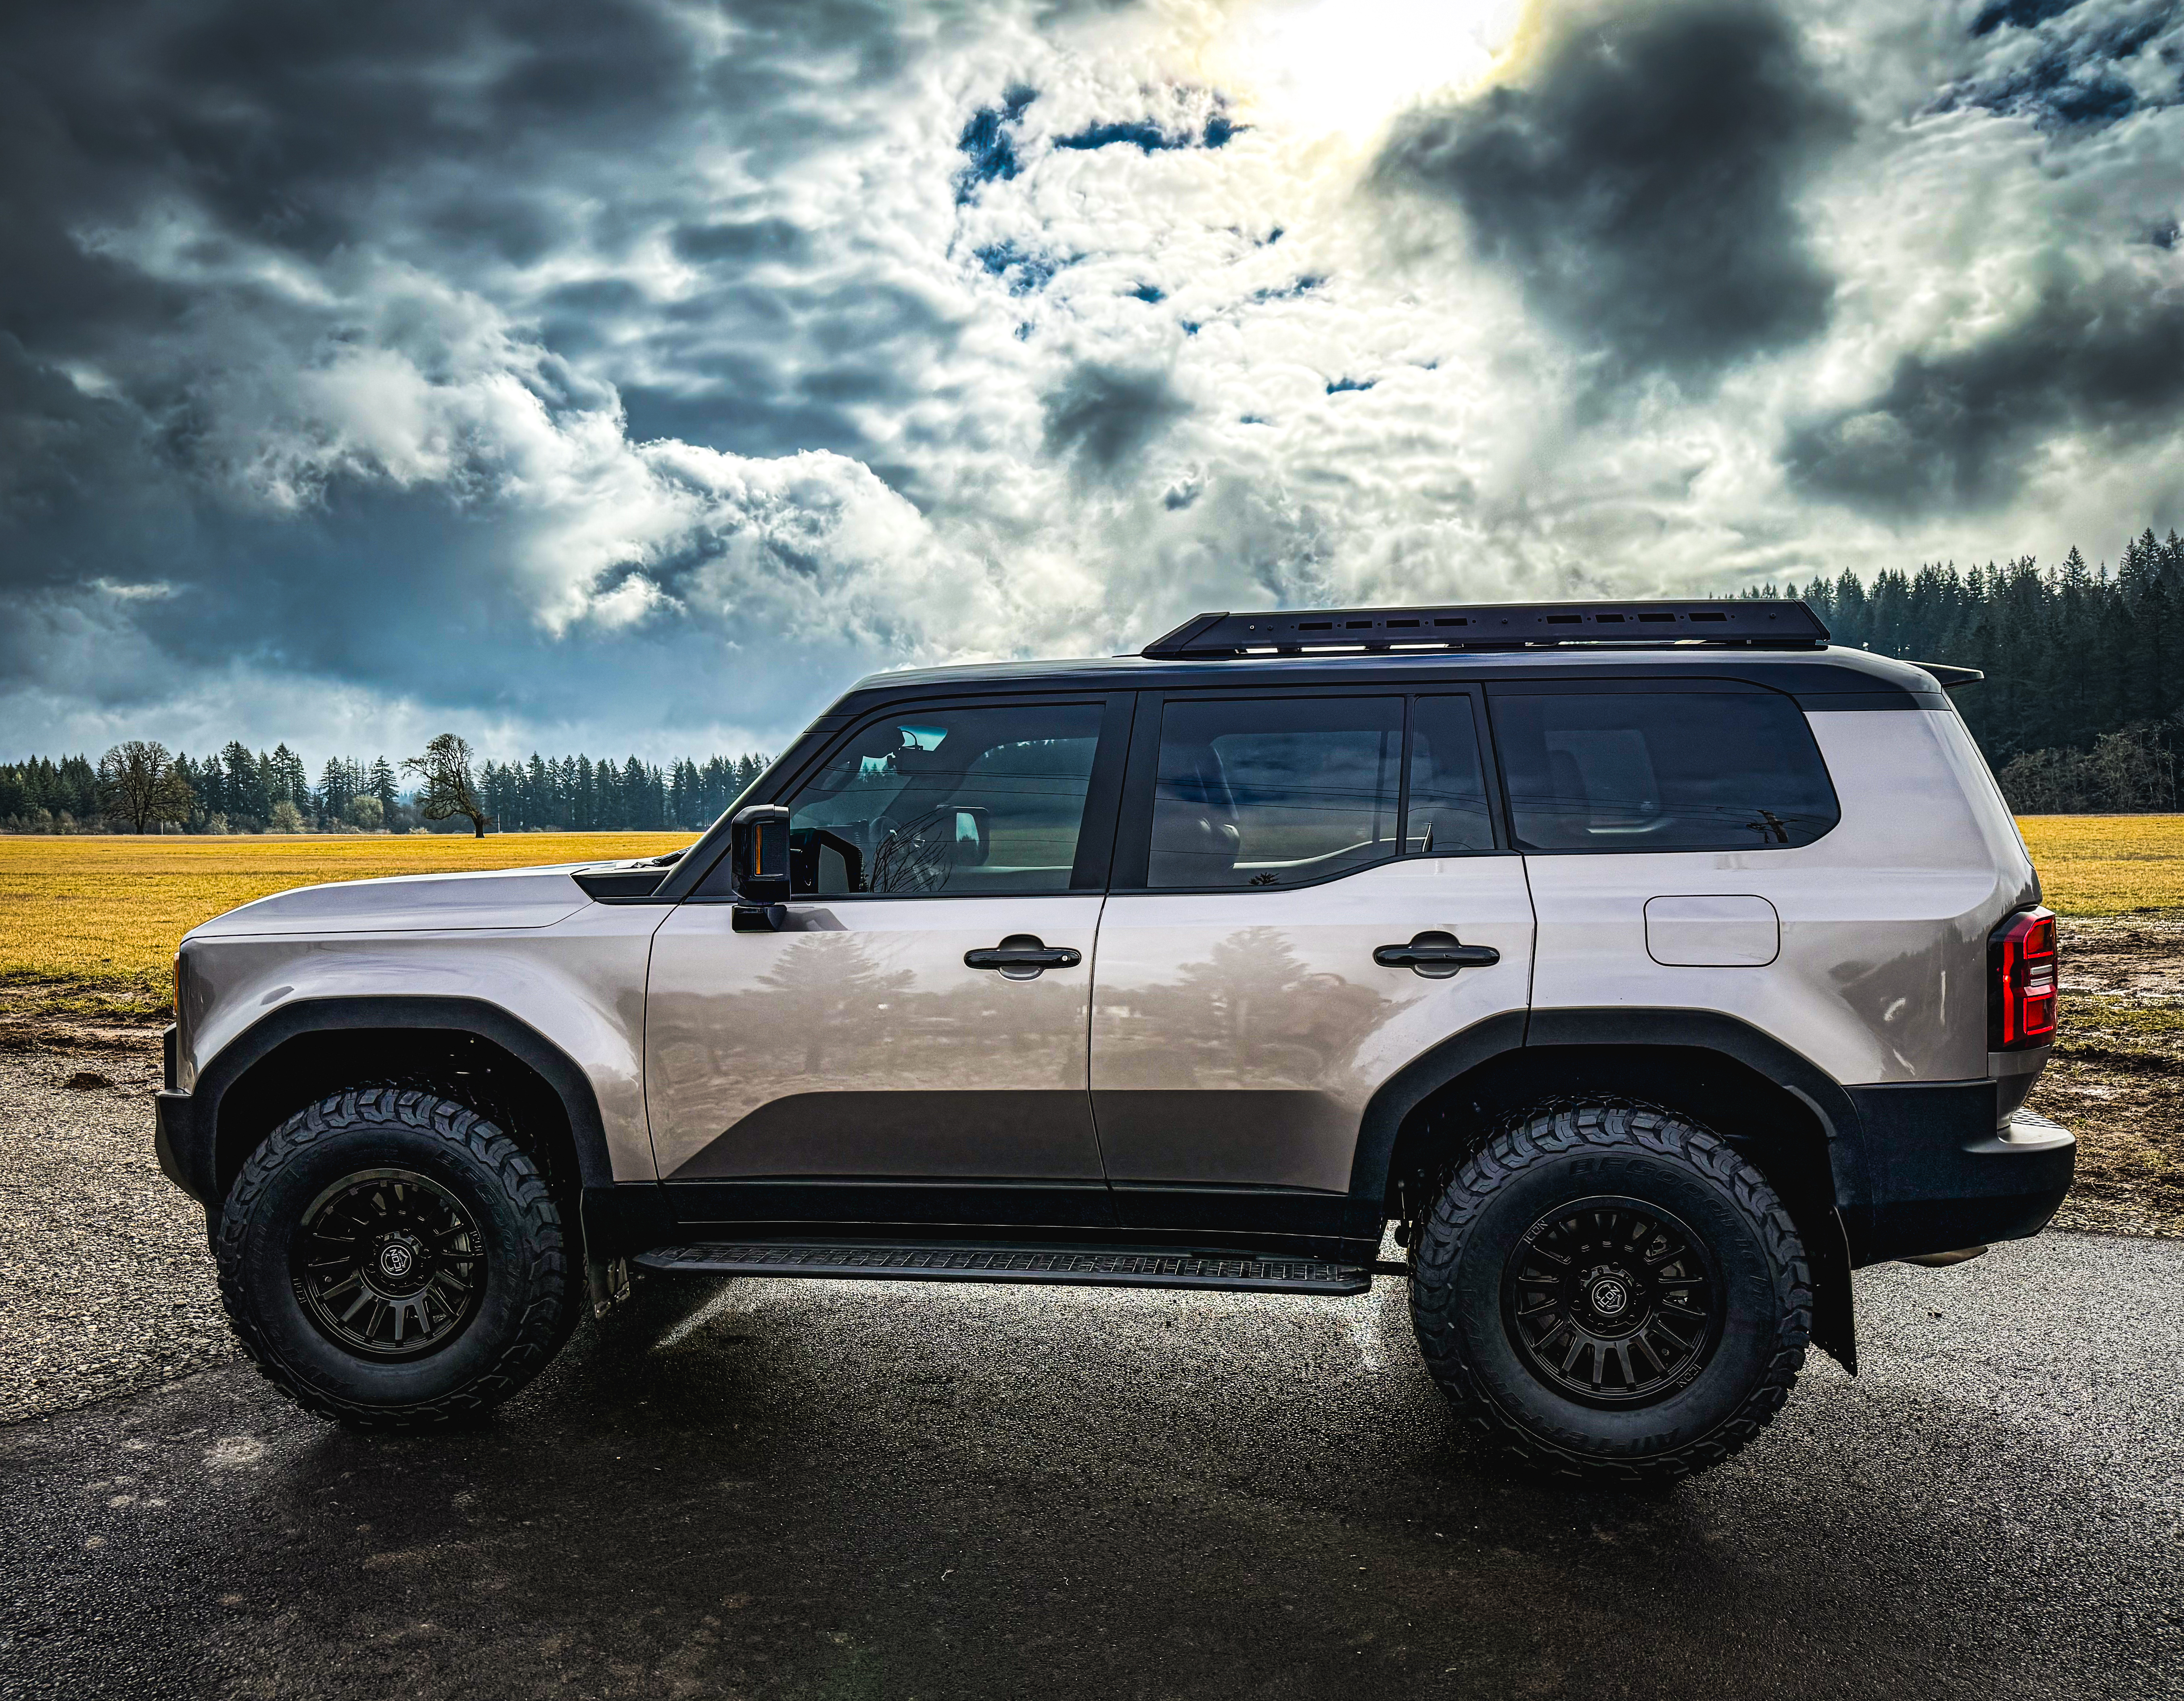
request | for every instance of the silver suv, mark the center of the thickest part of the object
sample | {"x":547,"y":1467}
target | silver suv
{"x":1649,"y":967}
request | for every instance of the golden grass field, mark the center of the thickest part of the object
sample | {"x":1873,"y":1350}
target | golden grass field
{"x":88,"y":925}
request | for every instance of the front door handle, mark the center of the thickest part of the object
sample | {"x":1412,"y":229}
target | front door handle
{"x":1436,"y":955}
{"x":1023,"y":956}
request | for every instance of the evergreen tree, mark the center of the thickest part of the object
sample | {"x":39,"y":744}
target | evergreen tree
{"x":337,"y":788}
{"x":382,"y":786}
{"x":247,"y":800}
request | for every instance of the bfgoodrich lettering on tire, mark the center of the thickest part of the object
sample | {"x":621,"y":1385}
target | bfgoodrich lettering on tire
{"x":394,"y":1260}
{"x":1611,"y":1293}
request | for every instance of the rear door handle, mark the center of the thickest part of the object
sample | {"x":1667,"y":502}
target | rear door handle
{"x":1023,"y":956}
{"x":1436,"y":955}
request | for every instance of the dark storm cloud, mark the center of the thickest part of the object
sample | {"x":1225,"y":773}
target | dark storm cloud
{"x":2018,"y":15}
{"x":748,"y":239}
{"x":1959,"y":430}
{"x":1640,"y":188}
{"x":278,"y":152}
{"x":1103,"y":416}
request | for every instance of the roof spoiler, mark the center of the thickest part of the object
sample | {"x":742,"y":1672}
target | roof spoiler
{"x":1951,"y":677}
{"x":1773,"y":622}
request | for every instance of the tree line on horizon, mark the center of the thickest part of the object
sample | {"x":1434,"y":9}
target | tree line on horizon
{"x":138,"y":787}
{"x":2081,"y":709}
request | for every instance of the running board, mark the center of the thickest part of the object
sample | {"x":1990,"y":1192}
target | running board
{"x":1051,"y":1266}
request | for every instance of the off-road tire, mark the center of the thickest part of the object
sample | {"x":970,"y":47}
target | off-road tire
{"x":1558,"y":1155}
{"x":520,"y":1318}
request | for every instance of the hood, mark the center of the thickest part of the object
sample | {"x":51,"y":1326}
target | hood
{"x":410,"y":903}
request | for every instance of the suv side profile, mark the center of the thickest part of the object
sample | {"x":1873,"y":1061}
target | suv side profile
{"x":1649,"y":967}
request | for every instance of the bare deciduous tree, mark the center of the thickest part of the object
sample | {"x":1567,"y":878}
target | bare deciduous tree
{"x":137,"y":782}
{"x":449,"y":790}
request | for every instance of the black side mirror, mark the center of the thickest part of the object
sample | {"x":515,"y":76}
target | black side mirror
{"x":758,"y":858}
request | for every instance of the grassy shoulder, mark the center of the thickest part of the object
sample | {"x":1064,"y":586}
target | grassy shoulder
{"x":88,"y":925}
{"x":2116,"y":1078}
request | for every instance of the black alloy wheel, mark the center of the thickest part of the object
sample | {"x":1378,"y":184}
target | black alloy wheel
{"x":1611,"y":1302}
{"x":388,"y":1265}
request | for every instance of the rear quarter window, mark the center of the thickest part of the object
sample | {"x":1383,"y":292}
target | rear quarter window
{"x":1661,"y":770}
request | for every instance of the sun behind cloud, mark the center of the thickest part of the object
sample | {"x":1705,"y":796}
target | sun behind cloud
{"x":1346,"y":68}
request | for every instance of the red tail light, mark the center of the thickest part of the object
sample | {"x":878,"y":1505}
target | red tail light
{"x":2021,"y":994}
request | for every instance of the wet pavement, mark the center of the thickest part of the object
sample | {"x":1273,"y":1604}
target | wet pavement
{"x":823,"y":1489}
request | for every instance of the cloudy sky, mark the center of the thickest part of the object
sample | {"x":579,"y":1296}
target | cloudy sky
{"x":632,"y":374}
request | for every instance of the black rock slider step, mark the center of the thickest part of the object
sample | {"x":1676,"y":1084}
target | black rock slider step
{"x":1057,"y":1266}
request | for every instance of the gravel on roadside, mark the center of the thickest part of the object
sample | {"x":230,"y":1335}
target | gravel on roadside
{"x":109,"y":1283}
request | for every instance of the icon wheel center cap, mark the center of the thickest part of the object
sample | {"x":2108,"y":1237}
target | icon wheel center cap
{"x":1609,"y":1297}
{"x":396,"y":1260}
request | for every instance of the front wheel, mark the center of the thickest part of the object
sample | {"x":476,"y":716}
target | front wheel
{"x":394,"y":1260}
{"x":1612,"y":1293}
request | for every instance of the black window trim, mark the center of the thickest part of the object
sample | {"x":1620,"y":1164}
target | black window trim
{"x":1095,"y":833}
{"x":1133,"y":859}
{"x":1489,"y":771}
{"x":1494,"y":688}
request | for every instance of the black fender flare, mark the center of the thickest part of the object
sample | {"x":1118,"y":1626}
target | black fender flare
{"x":190,"y":1142}
{"x":1706,"y":1030}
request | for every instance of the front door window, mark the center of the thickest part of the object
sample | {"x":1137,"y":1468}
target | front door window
{"x":948,"y":802}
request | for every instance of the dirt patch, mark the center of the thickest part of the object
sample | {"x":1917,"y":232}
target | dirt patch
{"x":2117,"y":1077}
{"x":30,"y":1022}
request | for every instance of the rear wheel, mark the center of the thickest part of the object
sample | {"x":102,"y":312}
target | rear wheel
{"x":1611,"y":1293}
{"x":394,"y":1260}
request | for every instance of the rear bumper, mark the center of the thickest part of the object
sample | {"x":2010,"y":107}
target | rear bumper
{"x":1954,"y":1164}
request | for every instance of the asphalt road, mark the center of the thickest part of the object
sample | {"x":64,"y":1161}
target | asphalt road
{"x":814,"y":1489}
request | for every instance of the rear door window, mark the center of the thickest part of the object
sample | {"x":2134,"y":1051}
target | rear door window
{"x":1273,"y":791}
{"x":1671,"y":770}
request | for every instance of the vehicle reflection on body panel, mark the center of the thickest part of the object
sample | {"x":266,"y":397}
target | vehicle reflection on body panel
{"x":762,"y":1047}
{"x":1236,"y":1037}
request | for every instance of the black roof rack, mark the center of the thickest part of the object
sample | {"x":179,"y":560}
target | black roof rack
{"x":1770,"y":622}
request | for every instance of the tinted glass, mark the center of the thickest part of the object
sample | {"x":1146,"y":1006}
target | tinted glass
{"x":1448,"y":788}
{"x":948,"y":802}
{"x":1661,"y":771}
{"x":1274,"y":792}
